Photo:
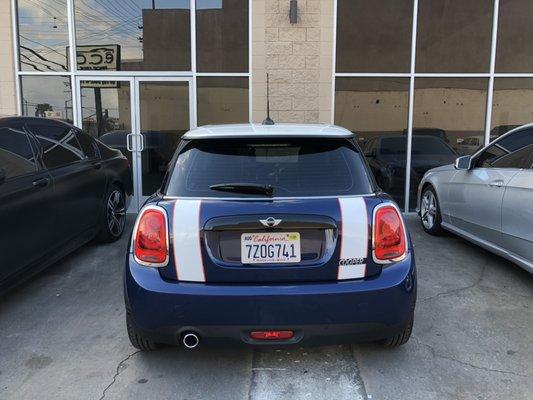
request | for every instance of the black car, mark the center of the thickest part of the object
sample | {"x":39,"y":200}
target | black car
{"x":59,"y":188}
{"x":386,"y":156}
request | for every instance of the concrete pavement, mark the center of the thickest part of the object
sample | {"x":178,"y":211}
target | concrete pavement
{"x":62,"y":336}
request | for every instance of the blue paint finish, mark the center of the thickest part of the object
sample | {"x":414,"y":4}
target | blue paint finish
{"x":300,"y":298}
{"x":386,"y":299}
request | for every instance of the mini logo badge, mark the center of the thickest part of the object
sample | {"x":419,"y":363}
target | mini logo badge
{"x":270,"y":222}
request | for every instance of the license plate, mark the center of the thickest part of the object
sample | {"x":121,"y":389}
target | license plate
{"x":270,"y":248}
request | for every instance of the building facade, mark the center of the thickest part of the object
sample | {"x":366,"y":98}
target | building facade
{"x":418,"y":81}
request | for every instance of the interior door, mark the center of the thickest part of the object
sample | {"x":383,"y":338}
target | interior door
{"x":106,"y":114}
{"x":164,"y":113}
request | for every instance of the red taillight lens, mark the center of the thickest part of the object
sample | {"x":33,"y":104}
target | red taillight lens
{"x":389,"y":234}
{"x":271,"y":335}
{"x":151,"y":238}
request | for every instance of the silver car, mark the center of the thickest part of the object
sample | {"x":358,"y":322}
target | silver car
{"x":486,"y":198}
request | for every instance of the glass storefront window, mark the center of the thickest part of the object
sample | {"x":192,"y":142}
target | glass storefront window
{"x":164,"y":119}
{"x":515,"y":36}
{"x":374,"y":36}
{"x":376,"y":111}
{"x":454,"y":36}
{"x":105,"y":110}
{"x":511,"y":104}
{"x":47,"y":96}
{"x":448,"y":121}
{"x":222,"y":35}
{"x":138,"y":35}
{"x":222,"y":100}
{"x":43,"y":35}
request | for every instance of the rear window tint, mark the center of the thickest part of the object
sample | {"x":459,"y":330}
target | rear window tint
{"x":293,"y":167}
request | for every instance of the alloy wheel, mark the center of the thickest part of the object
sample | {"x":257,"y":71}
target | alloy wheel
{"x":428,"y":209}
{"x":116,"y":213}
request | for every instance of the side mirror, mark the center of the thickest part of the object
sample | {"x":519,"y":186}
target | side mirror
{"x":464,"y":162}
{"x":2,"y":175}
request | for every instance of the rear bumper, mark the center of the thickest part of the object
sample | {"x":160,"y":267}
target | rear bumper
{"x":318,"y":313}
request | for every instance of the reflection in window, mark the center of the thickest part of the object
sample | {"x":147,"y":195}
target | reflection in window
{"x":47,"y":96}
{"x":58,"y":142}
{"x":454,"y":36}
{"x":515,"y":36}
{"x":16,"y":155}
{"x":105,"y":111}
{"x":511,"y":104}
{"x":376,"y":111}
{"x":222,"y":35}
{"x":137,"y":35}
{"x":222,"y":100}
{"x":43,"y":35}
{"x":452,"y":111}
{"x":374,"y":36}
{"x":164,"y":119}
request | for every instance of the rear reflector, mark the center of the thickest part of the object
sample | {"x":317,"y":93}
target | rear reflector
{"x":389,"y":235}
{"x":151,"y":238}
{"x":271,"y":335}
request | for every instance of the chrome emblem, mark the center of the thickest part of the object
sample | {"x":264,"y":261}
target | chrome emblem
{"x":270,"y":222}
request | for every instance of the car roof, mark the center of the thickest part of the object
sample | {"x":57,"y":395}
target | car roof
{"x":261,"y":131}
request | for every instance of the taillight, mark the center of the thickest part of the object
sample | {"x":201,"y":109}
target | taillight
{"x":389,"y":235}
{"x":151,"y":238}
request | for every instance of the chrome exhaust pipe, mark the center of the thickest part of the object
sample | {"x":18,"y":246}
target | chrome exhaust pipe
{"x":190,"y":340}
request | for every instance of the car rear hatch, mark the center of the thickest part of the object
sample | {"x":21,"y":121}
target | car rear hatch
{"x":269,"y":209}
{"x":209,"y":240}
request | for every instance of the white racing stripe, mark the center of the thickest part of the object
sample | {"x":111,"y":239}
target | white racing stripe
{"x":186,"y":240}
{"x":354,"y":239}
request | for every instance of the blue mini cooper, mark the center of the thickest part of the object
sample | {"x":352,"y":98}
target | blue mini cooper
{"x":269,"y":234}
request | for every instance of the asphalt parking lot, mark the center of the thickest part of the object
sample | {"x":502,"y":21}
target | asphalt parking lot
{"x":62,"y":336}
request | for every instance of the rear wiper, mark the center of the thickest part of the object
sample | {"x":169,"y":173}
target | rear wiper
{"x":251,"y":188}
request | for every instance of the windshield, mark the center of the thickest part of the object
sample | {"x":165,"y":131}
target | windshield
{"x":422,"y":145}
{"x":292,"y":167}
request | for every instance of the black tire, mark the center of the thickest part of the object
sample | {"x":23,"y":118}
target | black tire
{"x":430,"y":216}
{"x":113,"y":219}
{"x":136,"y":339}
{"x":402,"y":337}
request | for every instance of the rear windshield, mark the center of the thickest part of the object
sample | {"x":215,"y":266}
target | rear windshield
{"x":292,"y":167}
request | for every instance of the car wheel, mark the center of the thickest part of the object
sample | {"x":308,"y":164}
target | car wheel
{"x":402,"y":337}
{"x":136,"y":339}
{"x":114,"y":215}
{"x":430,"y":215}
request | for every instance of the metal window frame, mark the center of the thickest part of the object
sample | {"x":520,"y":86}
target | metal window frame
{"x":491,"y":75}
{"x":74,"y":73}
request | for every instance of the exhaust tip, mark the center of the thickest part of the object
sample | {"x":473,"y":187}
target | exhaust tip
{"x":190,"y":340}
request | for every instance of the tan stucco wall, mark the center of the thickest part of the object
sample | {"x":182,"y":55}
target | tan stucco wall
{"x":297,"y":57}
{"x":8,"y":100}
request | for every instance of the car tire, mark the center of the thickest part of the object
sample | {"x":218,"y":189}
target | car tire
{"x":402,"y":337}
{"x":136,"y":339}
{"x":430,"y":215}
{"x":113,"y":216}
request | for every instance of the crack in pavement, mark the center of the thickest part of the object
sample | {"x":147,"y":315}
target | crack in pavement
{"x":117,"y":373}
{"x":456,"y":290}
{"x":358,"y":376}
{"x":450,"y":358}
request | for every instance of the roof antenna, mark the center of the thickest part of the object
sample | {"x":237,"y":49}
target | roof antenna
{"x":268,"y":120}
